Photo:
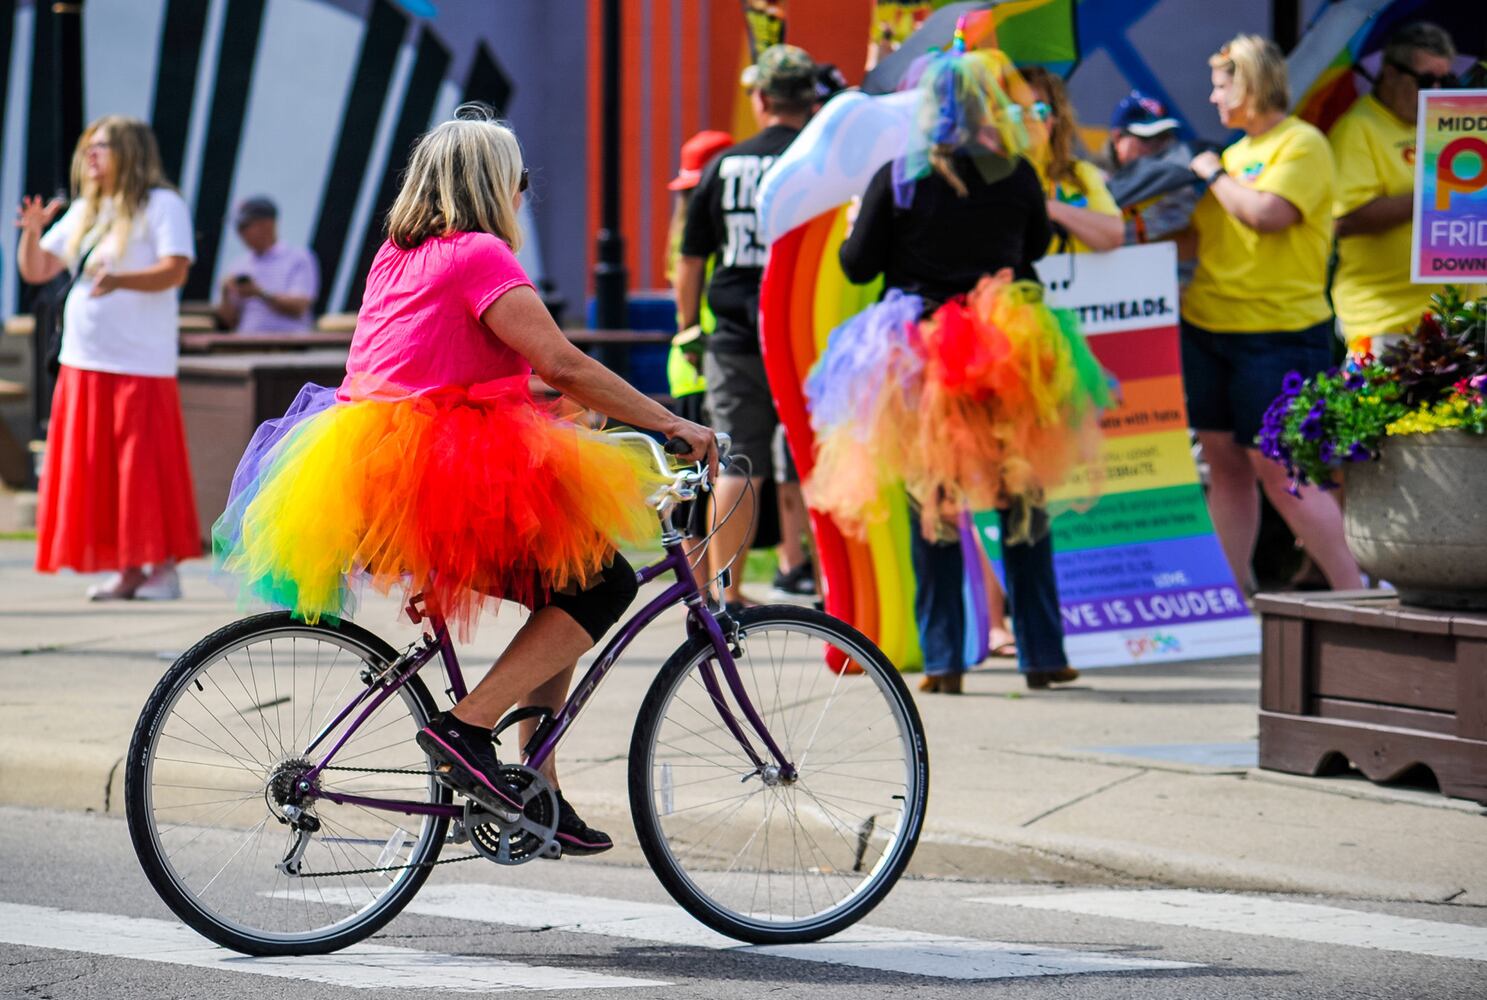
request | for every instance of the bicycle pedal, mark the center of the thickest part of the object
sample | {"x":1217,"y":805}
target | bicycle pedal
{"x":552,"y":852}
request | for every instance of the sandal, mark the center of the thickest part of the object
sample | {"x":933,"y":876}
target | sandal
{"x":119,"y":586}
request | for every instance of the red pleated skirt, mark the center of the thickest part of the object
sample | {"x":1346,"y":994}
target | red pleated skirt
{"x":116,"y":483}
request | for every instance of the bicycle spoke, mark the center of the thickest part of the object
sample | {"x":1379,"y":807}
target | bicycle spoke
{"x":215,"y":800}
{"x":813,"y":846}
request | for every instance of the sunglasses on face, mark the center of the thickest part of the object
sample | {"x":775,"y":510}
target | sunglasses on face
{"x":524,"y":183}
{"x":1040,"y":111}
{"x":97,"y":145}
{"x":1426,"y":81}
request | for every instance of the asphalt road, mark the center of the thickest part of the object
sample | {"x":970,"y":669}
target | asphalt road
{"x":76,"y":917}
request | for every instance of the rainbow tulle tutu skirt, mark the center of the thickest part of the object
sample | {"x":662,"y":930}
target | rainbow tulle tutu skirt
{"x":467,"y":495}
{"x":984,"y":404}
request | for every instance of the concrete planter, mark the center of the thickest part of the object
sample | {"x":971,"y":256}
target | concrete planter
{"x":1418,"y":518}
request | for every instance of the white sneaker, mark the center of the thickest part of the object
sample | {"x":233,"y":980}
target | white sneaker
{"x":111,"y":589}
{"x":163,"y":584}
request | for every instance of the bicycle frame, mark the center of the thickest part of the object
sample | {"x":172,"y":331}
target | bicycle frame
{"x":437,"y":642}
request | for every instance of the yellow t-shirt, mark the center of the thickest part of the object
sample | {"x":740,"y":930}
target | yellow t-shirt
{"x":1375,"y":153}
{"x":1095,"y":196}
{"x":1252,"y":282}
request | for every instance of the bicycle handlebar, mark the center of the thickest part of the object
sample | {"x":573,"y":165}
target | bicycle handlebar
{"x":684,"y":481}
{"x":679,"y":446}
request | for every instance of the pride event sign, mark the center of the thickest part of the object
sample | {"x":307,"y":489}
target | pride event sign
{"x":1141,"y":575}
{"x":1450,"y":235}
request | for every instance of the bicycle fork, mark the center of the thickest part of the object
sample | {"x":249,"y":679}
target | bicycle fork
{"x":782,"y":771}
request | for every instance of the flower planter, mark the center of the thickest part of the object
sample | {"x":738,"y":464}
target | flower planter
{"x":1417,"y":518}
{"x":1357,"y":676}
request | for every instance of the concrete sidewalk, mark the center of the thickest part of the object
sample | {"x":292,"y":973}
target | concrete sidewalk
{"x":1132,"y":776}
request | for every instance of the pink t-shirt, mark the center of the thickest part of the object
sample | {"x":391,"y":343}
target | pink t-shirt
{"x":419,"y":327}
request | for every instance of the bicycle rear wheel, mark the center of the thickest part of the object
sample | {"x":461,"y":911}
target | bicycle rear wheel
{"x":218,"y":747}
{"x":769,"y":861}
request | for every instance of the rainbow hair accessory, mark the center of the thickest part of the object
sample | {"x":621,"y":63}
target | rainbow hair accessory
{"x":965,"y":100}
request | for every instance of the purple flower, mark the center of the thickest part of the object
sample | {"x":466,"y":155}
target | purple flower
{"x":1358,"y":453}
{"x":1311,"y":425}
{"x":1327,"y":453}
{"x":1292,"y":383}
{"x":1354,"y":381}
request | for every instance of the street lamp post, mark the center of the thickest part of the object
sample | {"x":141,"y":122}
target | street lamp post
{"x":611,"y":279}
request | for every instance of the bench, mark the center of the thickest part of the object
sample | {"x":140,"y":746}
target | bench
{"x":224,"y":397}
{"x":237,"y":343}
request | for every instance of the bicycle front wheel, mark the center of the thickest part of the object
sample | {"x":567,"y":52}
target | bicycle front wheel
{"x":773,"y":861}
{"x":218,"y":753}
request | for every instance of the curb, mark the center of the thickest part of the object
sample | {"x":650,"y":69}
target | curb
{"x":90,"y":778}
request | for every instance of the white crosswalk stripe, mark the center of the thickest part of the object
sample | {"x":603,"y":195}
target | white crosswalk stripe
{"x":863,"y":946}
{"x":362,"y":966}
{"x":1235,"y":914}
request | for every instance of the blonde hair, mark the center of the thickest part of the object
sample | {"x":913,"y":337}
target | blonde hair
{"x":1060,"y":153}
{"x":461,"y":178}
{"x":137,"y":172}
{"x":1259,"y":71}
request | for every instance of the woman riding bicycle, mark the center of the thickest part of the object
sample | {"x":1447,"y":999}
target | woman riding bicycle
{"x":432,"y":468}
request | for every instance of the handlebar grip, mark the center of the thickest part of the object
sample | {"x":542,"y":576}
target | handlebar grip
{"x":676,"y":446}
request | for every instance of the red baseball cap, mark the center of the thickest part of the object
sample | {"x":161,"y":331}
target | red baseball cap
{"x":697,"y":153}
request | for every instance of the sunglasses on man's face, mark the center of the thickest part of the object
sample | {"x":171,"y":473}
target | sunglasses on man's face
{"x":1426,"y":81}
{"x":524,"y":183}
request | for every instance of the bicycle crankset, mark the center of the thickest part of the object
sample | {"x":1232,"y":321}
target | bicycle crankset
{"x":532,"y":835}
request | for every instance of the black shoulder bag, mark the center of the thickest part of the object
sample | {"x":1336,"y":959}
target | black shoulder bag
{"x":49,"y":307}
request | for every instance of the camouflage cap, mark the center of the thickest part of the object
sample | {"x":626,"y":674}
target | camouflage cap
{"x":783,"y":71}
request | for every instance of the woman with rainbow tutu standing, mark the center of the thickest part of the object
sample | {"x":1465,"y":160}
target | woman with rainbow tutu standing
{"x":960,"y":384}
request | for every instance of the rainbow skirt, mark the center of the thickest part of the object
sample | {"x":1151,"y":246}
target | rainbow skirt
{"x":989,"y":401}
{"x":468,"y":495}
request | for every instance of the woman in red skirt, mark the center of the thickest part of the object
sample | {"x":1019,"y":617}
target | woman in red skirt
{"x":116,"y":485}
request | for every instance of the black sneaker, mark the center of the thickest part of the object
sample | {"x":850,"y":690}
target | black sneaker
{"x":799,"y":582}
{"x":576,"y":836}
{"x":468,"y":764}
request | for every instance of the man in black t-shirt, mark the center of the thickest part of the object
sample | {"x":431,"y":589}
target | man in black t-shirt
{"x":722,"y":220}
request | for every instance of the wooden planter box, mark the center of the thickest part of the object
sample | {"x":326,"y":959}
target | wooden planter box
{"x":1388,"y":687}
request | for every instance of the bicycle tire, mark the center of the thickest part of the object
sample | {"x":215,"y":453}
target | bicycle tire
{"x":683,"y":883}
{"x":146,"y":838}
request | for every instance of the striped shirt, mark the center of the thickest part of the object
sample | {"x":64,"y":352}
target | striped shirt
{"x":280,"y":270}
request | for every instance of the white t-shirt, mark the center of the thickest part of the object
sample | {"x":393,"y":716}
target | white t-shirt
{"x":128,"y":332}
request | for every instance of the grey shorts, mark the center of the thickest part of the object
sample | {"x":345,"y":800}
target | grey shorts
{"x":741,"y":406}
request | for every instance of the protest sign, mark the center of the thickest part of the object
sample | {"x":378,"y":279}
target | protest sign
{"x":1449,"y":243}
{"x":1141,"y":574}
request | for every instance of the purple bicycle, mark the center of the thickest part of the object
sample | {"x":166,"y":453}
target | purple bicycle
{"x":279,"y":805}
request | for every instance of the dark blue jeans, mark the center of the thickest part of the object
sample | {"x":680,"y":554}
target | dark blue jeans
{"x":1032,"y":598}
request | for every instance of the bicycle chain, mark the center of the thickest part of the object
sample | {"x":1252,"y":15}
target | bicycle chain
{"x":376,"y":770}
{"x":393,"y":868}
